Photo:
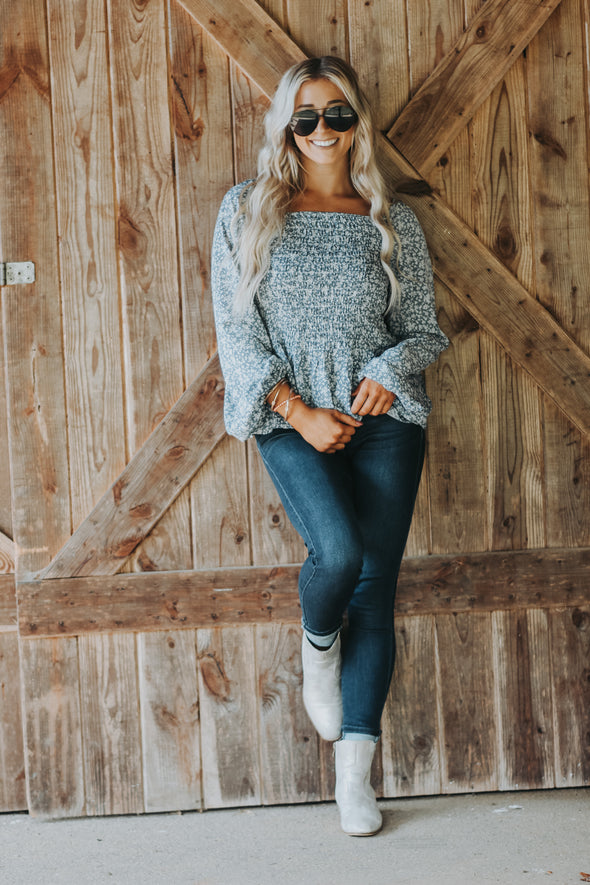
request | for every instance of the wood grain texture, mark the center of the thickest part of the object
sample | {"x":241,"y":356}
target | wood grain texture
{"x":147,"y":242}
{"x":110,"y":724}
{"x":570,"y":654}
{"x":12,"y":762}
{"x":410,"y":739}
{"x":31,"y":322}
{"x":154,"y":477}
{"x":319,"y":28}
{"x":557,"y":97}
{"x":469,"y":752}
{"x":384,"y":71}
{"x":476,"y":582}
{"x":229,"y":720}
{"x":7,"y":555}
{"x":5,"y":492}
{"x":252,"y":38}
{"x":511,"y":407}
{"x":465,"y":75}
{"x":54,"y":762}
{"x":169,"y":710}
{"x":288,"y":740}
{"x":86,"y":217}
{"x":8,"y":616}
{"x":522,"y":666}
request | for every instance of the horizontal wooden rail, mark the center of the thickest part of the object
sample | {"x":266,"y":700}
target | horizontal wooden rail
{"x":233,"y":596}
{"x":465,"y":77}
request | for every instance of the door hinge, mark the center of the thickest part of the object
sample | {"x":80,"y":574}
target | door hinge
{"x":13,"y":273}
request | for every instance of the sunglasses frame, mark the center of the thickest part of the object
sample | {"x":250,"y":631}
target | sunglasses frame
{"x":296,"y":120}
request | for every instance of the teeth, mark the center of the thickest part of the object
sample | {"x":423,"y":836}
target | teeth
{"x":327,"y":143}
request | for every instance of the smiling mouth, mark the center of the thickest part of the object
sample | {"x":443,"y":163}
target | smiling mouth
{"x":326,"y":143}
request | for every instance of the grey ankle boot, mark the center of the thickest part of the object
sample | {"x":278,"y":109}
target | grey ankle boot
{"x":322,"y":696}
{"x":359,"y":815}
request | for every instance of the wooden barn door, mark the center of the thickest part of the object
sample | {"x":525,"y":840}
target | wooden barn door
{"x":156,"y":585}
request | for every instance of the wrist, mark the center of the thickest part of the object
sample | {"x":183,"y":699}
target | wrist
{"x":298,"y":412}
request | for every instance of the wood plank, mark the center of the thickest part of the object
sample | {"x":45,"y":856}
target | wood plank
{"x":53,"y":735}
{"x":86,"y":217}
{"x":288,"y":740}
{"x":154,"y":477}
{"x":147,"y":240}
{"x":203,"y":145}
{"x":31,"y":322}
{"x":8,"y":616}
{"x":464,"y":78}
{"x":169,"y":707}
{"x":250,"y":36}
{"x":503,"y":219}
{"x":570,"y":653}
{"x":557,"y":100}
{"x":318,"y":28}
{"x":384,"y":71}
{"x":5,"y":491}
{"x":229,"y":721}
{"x":7,"y":555}
{"x":410,"y":740}
{"x":36,"y":401}
{"x":110,"y":724}
{"x":522,"y":666}
{"x":455,"y":462}
{"x":476,"y":582}
{"x":12,"y":761}
{"x":469,"y":753}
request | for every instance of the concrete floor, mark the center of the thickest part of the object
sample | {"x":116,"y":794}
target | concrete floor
{"x":525,"y":837}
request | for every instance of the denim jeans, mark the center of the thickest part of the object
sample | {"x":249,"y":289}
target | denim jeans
{"x":353,"y":509}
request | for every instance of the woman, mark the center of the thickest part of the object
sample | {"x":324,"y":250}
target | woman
{"x":323,"y":298}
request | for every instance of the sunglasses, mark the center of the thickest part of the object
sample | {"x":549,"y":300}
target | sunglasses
{"x":339,"y":118}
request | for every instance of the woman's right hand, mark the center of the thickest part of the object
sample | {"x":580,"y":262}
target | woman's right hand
{"x":327,"y":430}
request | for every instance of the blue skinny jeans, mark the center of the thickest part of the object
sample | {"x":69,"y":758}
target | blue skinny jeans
{"x":353,"y":509}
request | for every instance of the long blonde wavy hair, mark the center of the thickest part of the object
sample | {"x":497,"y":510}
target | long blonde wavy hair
{"x":259,"y":221}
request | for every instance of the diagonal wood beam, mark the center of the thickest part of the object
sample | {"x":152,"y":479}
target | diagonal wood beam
{"x":465,"y":77}
{"x":149,"y":484}
{"x":252,"y":38}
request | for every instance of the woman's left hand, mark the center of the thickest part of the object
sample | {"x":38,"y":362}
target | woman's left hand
{"x":371,"y":398}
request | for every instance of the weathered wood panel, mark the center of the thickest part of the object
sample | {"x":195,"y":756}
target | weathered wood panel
{"x":291,"y":766}
{"x":479,"y":582}
{"x":12,"y":763}
{"x":8,"y":616}
{"x":86,"y":215}
{"x":410,"y":740}
{"x":169,"y":709}
{"x":110,"y":724}
{"x":147,"y":241}
{"x":54,"y":762}
{"x":523,"y":697}
{"x":469,"y":752}
{"x":153,"y":479}
{"x":5,"y":492}
{"x":229,"y":720}
{"x":464,"y":77}
{"x":570,"y":656}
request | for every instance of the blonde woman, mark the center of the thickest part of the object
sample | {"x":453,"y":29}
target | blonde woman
{"x":325,"y":316}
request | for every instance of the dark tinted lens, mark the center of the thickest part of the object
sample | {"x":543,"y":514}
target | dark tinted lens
{"x":304,"y":122}
{"x":340,"y":118}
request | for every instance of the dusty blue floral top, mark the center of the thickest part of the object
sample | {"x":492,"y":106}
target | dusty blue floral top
{"x":319,"y":317}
